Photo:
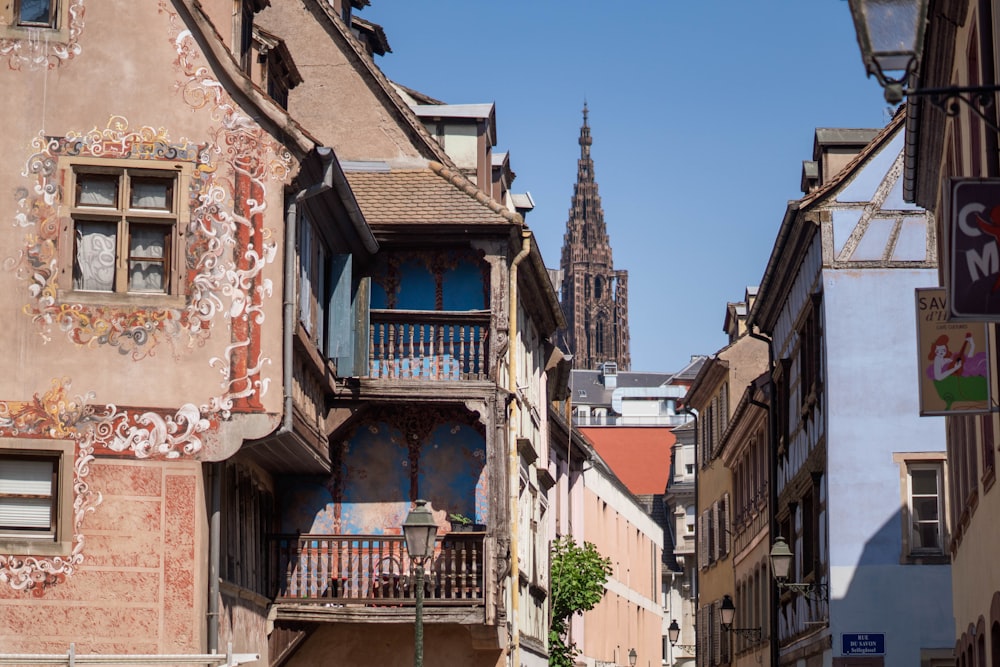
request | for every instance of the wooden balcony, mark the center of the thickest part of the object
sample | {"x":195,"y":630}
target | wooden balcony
{"x":339,"y":572}
{"x":429,"y":345}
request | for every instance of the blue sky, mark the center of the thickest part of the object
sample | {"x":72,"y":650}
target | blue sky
{"x":701,"y":114}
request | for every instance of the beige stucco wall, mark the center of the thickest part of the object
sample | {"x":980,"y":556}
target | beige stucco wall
{"x":362,"y":125}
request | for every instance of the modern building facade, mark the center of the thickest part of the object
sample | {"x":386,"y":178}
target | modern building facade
{"x":859,"y":475}
{"x":594,"y":295}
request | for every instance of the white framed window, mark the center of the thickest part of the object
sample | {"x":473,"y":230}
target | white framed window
{"x":126,"y":226}
{"x":923,"y":498}
{"x":36,"y":496}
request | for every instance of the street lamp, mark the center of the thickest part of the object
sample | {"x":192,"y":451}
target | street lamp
{"x":781,"y":565}
{"x":891,"y":36}
{"x":728,"y":613}
{"x":632,"y":656}
{"x":674,"y":633}
{"x":419,"y":531}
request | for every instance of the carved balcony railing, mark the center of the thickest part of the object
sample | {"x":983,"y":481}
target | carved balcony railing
{"x":374,"y":570}
{"x":429,"y":345}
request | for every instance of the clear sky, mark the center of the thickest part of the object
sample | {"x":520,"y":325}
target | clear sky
{"x":701,"y":114}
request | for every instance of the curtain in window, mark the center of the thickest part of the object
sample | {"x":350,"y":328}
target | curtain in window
{"x":146,"y":276}
{"x":95,"y":256}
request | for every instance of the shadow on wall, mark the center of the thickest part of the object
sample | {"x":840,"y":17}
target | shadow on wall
{"x":904,"y":596}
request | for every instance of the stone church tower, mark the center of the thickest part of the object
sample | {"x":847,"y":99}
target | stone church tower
{"x":594,"y":295}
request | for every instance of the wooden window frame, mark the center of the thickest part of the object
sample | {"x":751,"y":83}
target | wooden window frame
{"x":126,"y":217}
{"x":58,"y":540}
{"x":57,"y":29}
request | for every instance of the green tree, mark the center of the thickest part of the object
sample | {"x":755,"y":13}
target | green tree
{"x":577,"y":583}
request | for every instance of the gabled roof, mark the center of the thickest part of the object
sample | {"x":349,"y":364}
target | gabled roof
{"x":639,"y":457}
{"x":437,"y":195}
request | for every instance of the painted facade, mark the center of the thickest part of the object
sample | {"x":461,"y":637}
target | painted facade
{"x":321,"y":321}
{"x":140,"y":286}
{"x":961,"y":49}
{"x":855,"y":475}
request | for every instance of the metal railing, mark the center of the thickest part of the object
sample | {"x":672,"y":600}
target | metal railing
{"x":374,"y":570}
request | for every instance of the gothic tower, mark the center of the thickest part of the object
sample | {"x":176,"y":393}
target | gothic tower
{"x":594,"y":295}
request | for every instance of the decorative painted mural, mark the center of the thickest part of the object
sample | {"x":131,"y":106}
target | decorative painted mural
{"x":394,"y":457}
{"x":227,"y":247}
{"x":453,"y":279}
{"x":38,"y":51}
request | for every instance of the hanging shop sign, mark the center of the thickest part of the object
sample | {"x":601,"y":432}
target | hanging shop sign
{"x":951,"y":356}
{"x":974,"y":254}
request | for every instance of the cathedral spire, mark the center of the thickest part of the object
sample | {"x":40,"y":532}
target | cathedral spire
{"x":594,"y":295}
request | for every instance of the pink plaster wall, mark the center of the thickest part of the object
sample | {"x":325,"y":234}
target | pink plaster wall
{"x":141,"y":587}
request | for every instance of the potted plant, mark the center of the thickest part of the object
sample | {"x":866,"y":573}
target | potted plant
{"x":460,"y":523}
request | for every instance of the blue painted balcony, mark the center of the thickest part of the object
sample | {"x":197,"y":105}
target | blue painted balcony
{"x":439,"y":346}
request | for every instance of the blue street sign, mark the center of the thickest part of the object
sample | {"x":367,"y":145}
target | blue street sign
{"x":863,"y":643}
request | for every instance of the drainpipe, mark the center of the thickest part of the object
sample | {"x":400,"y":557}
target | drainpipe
{"x":514,"y":468}
{"x":214,"y":556}
{"x":772,"y":500}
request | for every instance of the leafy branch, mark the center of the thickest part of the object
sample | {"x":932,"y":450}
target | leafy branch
{"x":578,"y":575}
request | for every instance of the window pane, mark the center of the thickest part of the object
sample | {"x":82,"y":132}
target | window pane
{"x":96,"y":244}
{"x":152,"y":193}
{"x":35,"y":12}
{"x":96,"y":190}
{"x":924,"y":482}
{"x":148,"y":247}
{"x":925,"y":536}
{"x":925,"y":509}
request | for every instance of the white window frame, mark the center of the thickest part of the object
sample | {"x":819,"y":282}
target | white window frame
{"x":123,"y":215}
{"x":58,"y":540}
{"x":908,"y":462}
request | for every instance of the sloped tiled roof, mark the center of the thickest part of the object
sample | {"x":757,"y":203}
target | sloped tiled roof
{"x":435,"y":195}
{"x":639,"y":457}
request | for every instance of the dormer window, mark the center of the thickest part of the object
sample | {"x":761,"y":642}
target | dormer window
{"x":279,"y":72}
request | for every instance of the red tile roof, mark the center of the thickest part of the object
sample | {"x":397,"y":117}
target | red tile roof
{"x":639,"y":457}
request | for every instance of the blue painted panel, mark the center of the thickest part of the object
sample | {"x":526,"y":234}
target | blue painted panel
{"x":463,"y":288}
{"x":453,"y":471}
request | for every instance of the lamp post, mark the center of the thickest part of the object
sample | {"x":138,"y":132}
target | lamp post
{"x":891,"y":37}
{"x":632,"y":656}
{"x":781,"y":565}
{"x":728,"y":613}
{"x":674,"y":633}
{"x":420,"y":532}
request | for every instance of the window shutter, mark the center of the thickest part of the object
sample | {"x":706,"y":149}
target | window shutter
{"x":724,"y":527}
{"x":340,"y":327}
{"x":713,"y":538}
{"x":26,"y":494}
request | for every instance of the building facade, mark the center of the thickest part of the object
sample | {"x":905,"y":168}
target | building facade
{"x":266,"y":312}
{"x":961,"y":48}
{"x":857,"y":480}
{"x":594,"y":295}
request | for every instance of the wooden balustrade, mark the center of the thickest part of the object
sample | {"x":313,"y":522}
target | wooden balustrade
{"x":375,"y":570}
{"x":429,"y":345}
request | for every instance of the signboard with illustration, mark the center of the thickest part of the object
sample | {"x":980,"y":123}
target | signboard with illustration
{"x":974,"y":256}
{"x":954,"y":369}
